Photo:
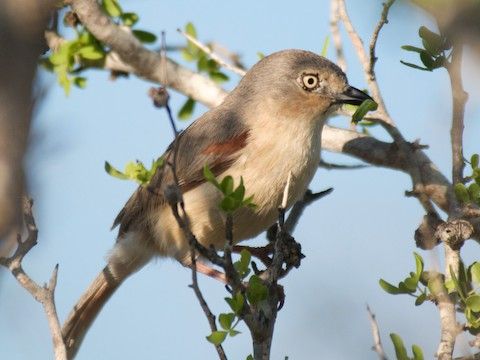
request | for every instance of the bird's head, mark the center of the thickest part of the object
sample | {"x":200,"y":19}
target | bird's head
{"x":298,"y":83}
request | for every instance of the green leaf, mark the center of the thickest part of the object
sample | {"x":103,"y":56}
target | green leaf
{"x":418,"y":266}
{"x":435,"y":285}
{"x":417,"y":352}
{"x":226,"y":320}
{"x":91,"y":52}
{"x":420,"y":299}
{"x":412,"y":48}
{"x":326,"y":42}
{"x":473,"y":302}
{"x":218,"y":76}
{"x":129,"y":18}
{"x":114,"y":172}
{"x":226,"y":186}
{"x":209,"y":176}
{"x":236,"y":302}
{"x":256,"y":290}
{"x":228,"y":204}
{"x":389,"y":288}
{"x":144,"y":36}
{"x":474,"y":160}
{"x":474,"y":191}
{"x":239,"y":192}
{"x":249,"y":202}
{"x":427,"y":60}
{"x":407,"y":286}
{"x":414,"y":66}
{"x":363,"y":109}
{"x":249,"y":357}
{"x":458,"y":286}
{"x":475,"y":272}
{"x":112,"y":7}
{"x":62,"y":55}
{"x":432,"y":42}
{"x":186,"y":110}
{"x":233,"y":333}
{"x":450,"y":286}
{"x":80,"y":82}
{"x":190,"y":30}
{"x":242,"y":265}
{"x":187,"y":55}
{"x":400,"y":350}
{"x":461,"y":193}
{"x":260,"y":55}
{"x":217,"y":337}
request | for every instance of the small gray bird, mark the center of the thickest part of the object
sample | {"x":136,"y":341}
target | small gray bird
{"x":268,"y":127}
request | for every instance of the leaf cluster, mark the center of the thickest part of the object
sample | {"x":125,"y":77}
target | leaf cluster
{"x":255,"y":292}
{"x":210,"y":67}
{"x":470,"y":192}
{"x":135,"y":171}
{"x":435,"y":52}
{"x":84,"y":51}
{"x":401,"y":351}
{"x":233,"y":197}
{"x":428,"y":285}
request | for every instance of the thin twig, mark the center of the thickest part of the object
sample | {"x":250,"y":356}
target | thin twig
{"x":337,"y":38}
{"x":299,"y":207}
{"x":206,"y":309}
{"x":213,"y":55}
{"x":364,"y":60}
{"x":330,"y":166}
{"x":459,"y":97}
{"x":376,"y":32}
{"x":377,"y":346}
{"x":43,"y":294}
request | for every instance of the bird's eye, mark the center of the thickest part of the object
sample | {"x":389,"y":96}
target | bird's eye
{"x":310,"y":81}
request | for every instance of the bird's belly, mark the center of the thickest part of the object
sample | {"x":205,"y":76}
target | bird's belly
{"x":264,"y":180}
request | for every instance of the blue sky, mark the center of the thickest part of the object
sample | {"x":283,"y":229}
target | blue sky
{"x":363,"y":231}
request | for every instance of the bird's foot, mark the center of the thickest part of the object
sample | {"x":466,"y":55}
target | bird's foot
{"x":261,"y":253}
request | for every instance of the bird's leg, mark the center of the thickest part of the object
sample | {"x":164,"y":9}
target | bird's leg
{"x":206,"y":270}
{"x":262,"y":253}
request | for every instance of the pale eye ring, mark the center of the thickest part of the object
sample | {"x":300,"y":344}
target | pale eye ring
{"x":310,"y":81}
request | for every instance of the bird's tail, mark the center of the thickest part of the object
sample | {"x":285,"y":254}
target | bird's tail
{"x":87,"y":308}
{"x":124,"y":260}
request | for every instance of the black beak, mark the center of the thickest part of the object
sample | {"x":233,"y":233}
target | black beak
{"x":352,"y":96}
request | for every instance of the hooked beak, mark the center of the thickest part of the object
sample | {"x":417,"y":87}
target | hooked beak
{"x":352,"y":96}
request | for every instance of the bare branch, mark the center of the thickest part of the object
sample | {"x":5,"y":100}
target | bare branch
{"x":376,"y":32}
{"x":459,"y":99}
{"x":213,"y":55}
{"x":364,"y":60}
{"x":299,"y":207}
{"x":329,"y":166}
{"x":44,"y":295}
{"x":377,"y":347}
{"x":337,"y":38}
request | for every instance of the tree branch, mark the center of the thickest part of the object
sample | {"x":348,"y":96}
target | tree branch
{"x":213,"y":55}
{"x":459,"y":97}
{"x":364,"y":60}
{"x":45,"y":295}
{"x":377,"y":347}
{"x":145,"y":63}
{"x":337,"y":38}
{"x":376,"y":32}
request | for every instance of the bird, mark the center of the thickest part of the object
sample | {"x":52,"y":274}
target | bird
{"x":266,"y":130}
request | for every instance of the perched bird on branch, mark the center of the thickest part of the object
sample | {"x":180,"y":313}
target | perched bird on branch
{"x":268,"y":127}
